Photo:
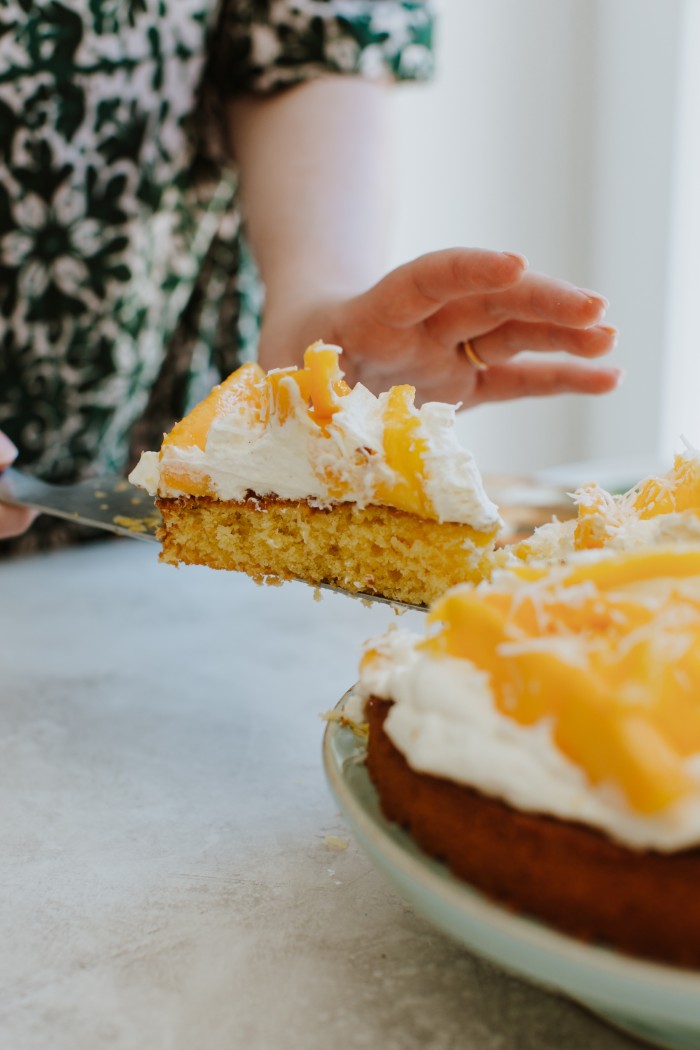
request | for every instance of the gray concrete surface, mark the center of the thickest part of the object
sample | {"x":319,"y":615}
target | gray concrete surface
{"x":166,"y":877}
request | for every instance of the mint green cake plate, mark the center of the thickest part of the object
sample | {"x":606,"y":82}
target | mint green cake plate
{"x":660,"y":1004}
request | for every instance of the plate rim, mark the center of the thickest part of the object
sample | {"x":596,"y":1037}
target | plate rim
{"x":643,"y":981}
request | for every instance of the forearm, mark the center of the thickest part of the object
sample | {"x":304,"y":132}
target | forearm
{"x":315,"y":182}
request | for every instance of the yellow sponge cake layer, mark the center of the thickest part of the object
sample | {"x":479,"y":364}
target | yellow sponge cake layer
{"x":376,"y":550}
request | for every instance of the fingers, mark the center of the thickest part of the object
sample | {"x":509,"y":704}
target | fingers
{"x":13,"y":520}
{"x":541,"y":298}
{"x":8,"y":451}
{"x":535,"y":299}
{"x":418,"y":289}
{"x":535,"y":379}
{"x":512,"y":338}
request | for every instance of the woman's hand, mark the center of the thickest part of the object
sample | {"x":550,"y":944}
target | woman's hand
{"x":13,"y":520}
{"x":316,"y":185}
{"x":412,"y":326}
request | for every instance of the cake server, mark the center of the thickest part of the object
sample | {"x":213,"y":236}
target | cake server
{"x":111,"y":503}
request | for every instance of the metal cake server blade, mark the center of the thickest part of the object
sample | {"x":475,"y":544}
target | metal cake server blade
{"x":108,"y":502}
{"x":111,"y":503}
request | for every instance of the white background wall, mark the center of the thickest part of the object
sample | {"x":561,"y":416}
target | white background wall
{"x":681,"y":389}
{"x":554,"y":127}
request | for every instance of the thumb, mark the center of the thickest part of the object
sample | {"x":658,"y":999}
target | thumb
{"x":8,"y":451}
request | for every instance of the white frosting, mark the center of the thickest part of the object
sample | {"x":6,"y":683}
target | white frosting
{"x":453,"y":483}
{"x":294,"y":460}
{"x":267,"y":460}
{"x":146,"y":473}
{"x":445,"y":722}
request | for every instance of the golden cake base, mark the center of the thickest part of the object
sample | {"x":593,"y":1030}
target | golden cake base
{"x":571,"y":876}
{"x":377,"y":550}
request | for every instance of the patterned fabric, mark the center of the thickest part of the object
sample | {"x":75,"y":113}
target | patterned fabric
{"x":125,"y":286}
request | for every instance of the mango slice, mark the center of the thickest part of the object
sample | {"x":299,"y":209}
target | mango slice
{"x":243,"y":387}
{"x":598,"y":516}
{"x":281,"y":404}
{"x":677,"y":491}
{"x":326,"y":383}
{"x":405,"y":452}
{"x":636,"y":566}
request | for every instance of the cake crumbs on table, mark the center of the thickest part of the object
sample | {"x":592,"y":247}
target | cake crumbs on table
{"x":334,"y":842}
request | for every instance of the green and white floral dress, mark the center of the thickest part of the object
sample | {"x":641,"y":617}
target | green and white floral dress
{"x":125,"y":289}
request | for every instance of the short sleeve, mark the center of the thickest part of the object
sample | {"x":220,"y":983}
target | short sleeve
{"x":265,"y":45}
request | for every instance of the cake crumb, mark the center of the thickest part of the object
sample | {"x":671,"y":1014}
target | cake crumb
{"x":334,"y":842}
{"x":360,"y":729}
{"x":318,"y":596}
{"x":268,"y":581}
{"x":136,"y":524}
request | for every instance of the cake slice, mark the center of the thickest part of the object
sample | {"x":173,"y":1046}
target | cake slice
{"x":543,"y":739}
{"x":293,"y":475}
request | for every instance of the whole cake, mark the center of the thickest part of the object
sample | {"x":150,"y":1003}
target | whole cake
{"x":543,"y":740}
{"x":293,"y":475}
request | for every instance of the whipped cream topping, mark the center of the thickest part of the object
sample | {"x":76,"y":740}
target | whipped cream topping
{"x":296,"y":459}
{"x":445,"y":722}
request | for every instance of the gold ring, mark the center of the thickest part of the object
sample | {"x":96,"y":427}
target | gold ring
{"x":471,"y":353}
